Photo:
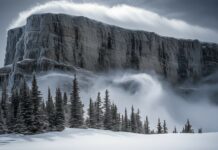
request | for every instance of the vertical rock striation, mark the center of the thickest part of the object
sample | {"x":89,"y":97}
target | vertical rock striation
{"x":58,"y":41}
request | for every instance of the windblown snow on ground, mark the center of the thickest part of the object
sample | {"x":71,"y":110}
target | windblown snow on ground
{"x":84,"y":139}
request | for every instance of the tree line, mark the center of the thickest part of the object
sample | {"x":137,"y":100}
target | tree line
{"x":25,"y":112}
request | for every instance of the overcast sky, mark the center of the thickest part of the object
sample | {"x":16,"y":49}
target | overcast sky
{"x":199,"y":15}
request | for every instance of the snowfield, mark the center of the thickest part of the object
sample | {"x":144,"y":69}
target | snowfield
{"x":84,"y":139}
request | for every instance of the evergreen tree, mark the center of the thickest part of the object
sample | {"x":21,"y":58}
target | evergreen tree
{"x":175,"y":130}
{"x":200,"y":130}
{"x":99,"y":112}
{"x":133,"y":121}
{"x":59,"y":112}
{"x":159,"y":127}
{"x":12,"y":110}
{"x":138,"y":122}
{"x":38,"y":121}
{"x":50,"y":111}
{"x":26,"y":109}
{"x":126,"y":122}
{"x":2,"y":124}
{"x":165,"y":130}
{"x":4,"y":100}
{"x":91,"y":115}
{"x":15,"y":103}
{"x":188,"y":128}
{"x":146,"y":126}
{"x":115,"y":118}
{"x":18,"y":126}
{"x":76,"y":118}
{"x":107,"y":112}
{"x":65,"y":99}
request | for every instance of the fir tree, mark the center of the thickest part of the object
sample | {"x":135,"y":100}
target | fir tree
{"x":115,"y":118}
{"x":12,"y":110}
{"x":2,"y":124}
{"x":76,"y":117}
{"x":126,"y":122}
{"x":18,"y":126}
{"x":165,"y":130}
{"x":175,"y":130}
{"x":91,"y":115}
{"x":59,"y":112}
{"x":200,"y":130}
{"x":37,"y":110}
{"x":99,"y":112}
{"x":15,"y":103}
{"x":50,"y":111}
{"x":107,"y":112}
{"x":188,"y":128}
{"x":4,"y":100}
{"x":133,"y":121}
{"x":65,"y":99}
{"x":26,"y":109}
{"x":146,"y":126}
{"x":138,"y":122}
{"x":159,"y":127}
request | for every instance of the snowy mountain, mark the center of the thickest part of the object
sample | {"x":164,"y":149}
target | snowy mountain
{"x":62,"y":42}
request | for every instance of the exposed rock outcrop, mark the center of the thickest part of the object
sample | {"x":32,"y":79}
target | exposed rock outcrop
{"x":57,"y":41}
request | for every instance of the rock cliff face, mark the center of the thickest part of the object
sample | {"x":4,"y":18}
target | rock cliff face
{"x":56,"y":41}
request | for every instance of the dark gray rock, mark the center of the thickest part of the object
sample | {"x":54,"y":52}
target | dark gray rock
{"x":62,"y":42}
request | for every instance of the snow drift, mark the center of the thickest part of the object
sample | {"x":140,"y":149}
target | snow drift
{"x":83,"y":139}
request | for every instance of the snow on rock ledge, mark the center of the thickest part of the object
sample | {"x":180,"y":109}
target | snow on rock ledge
{"x":81,"y":42}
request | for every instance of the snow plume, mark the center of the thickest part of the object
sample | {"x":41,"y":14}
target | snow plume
{"x":122,"y":15}
{"x":144,"y":91}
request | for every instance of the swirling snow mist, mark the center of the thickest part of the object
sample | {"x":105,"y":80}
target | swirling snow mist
{"x":144,"y":91}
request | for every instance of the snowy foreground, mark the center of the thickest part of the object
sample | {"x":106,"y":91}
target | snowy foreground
{"x":84,"y":139}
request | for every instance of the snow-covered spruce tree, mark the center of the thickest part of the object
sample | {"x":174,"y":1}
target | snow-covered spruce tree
{"x":133,"y":121}
{"x":126,"y":122}
{"x":188,"y":128}
{"x":38,"y":119}
{"x":2,"y":124}
{"x":91,"y":115}
{"x":76,"y":116}
{"x":50,"y":109}
{"x":59,"y":111}
{"x":12,"y":110}
{"x":26,"y":108}
{"x":65,"y":100}
{"x":99,"y":112}
{"x":146,"y":126}
{"x":115,"y":118}
{"x":4,"y":101}
{"x":122,"y":123}
{"x":14,"y":103}
{"x":139,"y":128}
{"x":18,"y":125}
{"x":165,"y":130}
{"x":159,"y":127}
{"x":175,"y":130}
{"x":107,"y":112}
{"x":200,"y":130}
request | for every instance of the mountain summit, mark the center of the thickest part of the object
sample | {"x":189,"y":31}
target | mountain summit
{"x":61,"y":42}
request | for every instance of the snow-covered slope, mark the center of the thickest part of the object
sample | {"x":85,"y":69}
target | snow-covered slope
{"x":84,"y":139}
